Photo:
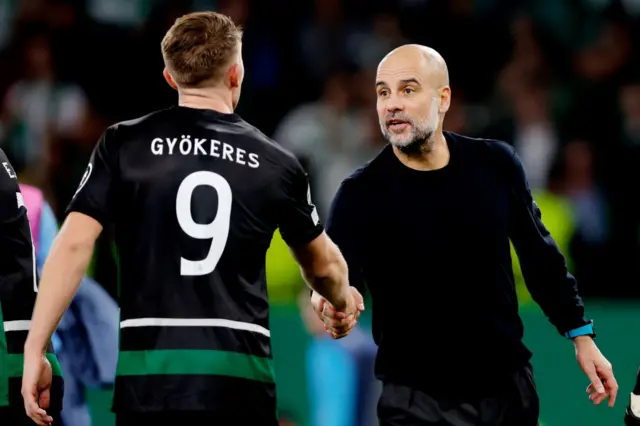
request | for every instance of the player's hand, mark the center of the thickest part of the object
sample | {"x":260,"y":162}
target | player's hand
{"x":339,"y":323}
{"x":36,"y":388}
{"x":598,"y":369}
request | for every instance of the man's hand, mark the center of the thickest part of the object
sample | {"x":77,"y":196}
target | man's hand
{"x":337,"y":323}
{"x":36,"y":388}
{"x":598,"y":369}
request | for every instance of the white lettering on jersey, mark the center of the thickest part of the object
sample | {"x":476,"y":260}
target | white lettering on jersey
{"x":187,"y":145}
{"x":85,"y":178}
{"x":9,"y":170}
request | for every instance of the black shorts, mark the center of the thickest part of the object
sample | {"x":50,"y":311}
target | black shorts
{"x":516,"y":404}
{"x":195,"y":418}
{"x":18,"y":417}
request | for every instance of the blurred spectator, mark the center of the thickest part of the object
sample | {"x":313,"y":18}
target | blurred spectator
{"x":630,"y":102}
{"x":321,"y":39}
{"x":123,"y":13}
{"x":368,"y":47}
{"x":589,"y":246}
{"x":38,"y":107}
{"x":329,"y":136}
{"x":580,"y":186}
{"x":535,"y":138}
{"x":529,"y":127}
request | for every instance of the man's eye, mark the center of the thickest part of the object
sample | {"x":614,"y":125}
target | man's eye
{"x":409,"y":90}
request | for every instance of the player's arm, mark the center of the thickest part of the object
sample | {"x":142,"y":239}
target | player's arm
{"x":73,"y":247}
{"x":324,"y":269}
{"x":321,"y":263}
{"x":68,"y":260}
{"x":344,"y":228}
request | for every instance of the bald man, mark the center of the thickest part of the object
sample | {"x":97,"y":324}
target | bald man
{"x":425,"y":226}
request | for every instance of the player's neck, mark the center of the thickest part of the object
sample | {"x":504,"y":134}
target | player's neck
{"x":206,"y":99}
{"x":434,"y":156}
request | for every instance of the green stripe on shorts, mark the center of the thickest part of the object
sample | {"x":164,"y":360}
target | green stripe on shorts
{"x":15,"y":363}
{"x":192,"y":362}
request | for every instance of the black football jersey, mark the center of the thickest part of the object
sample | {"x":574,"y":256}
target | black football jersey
{"x":195,"y":197}
{"x":18,"y":290}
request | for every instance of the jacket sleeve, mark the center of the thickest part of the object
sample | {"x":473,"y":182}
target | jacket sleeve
{"x":543,"y":265}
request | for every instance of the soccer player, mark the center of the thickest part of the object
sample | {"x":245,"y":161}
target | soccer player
{"x":426,"y":225}
{"x":632,"y":415}
{"x":194,"y":194}
{"x":18,"y":287}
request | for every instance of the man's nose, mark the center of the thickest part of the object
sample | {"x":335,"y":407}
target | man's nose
{"x":394,"y":104}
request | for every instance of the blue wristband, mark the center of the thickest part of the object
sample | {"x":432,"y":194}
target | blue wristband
{"x":585,"y":330}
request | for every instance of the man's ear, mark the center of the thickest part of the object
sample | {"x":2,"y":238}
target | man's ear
{"x":445,"y":100}
{"x":169,"y":79}
{"x":233,"y":76}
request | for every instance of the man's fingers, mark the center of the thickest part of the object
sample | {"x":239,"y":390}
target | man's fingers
{"x":339,"y":332}
{"x":338,"y":322}
{"x":342,"y":328}
{"x":330,"y":311}
{"x":597,"y":398}
{"x":595,"y":380}
{"x":611,"y":384}
{"x":608,"y":380}
{"x":37,"y":414}
{"x":322,"y":304}
{"x":358,"y":298}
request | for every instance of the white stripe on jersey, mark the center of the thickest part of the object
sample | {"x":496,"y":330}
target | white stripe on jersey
{"x":18,"y":325}
{"x":194,"y":322}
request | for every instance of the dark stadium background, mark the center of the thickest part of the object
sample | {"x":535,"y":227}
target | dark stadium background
{"x":557,"y":78}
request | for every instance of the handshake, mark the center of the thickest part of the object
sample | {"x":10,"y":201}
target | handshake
{"x":339,"y":322}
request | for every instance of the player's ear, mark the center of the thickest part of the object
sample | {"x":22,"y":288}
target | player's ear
{"x":170,"y":81}
{"x":233,"y":76}
{"x":445,"y":100}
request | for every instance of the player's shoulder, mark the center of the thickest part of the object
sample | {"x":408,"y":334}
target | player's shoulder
{"x":3,"y":156}
{"x":8,"y":177}
{"x":142,"y":122}
{"x":6,"y":169}
{"x":272,"y":149}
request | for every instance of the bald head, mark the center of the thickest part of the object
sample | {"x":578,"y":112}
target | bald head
{"x":423,"y":59}
{"x":412,"y":85}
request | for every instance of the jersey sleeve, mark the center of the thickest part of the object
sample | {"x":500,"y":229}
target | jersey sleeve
{"x":95,"y":194}
{"x":299,"y":222}
{"x":10,"y":196}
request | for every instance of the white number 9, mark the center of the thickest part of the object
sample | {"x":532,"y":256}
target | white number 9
{"x":217,"y":230}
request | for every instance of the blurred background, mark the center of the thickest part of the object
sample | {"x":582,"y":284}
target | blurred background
{"x":558,"y":79}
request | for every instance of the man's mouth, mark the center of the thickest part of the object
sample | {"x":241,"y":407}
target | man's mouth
{"x":397,"y":124}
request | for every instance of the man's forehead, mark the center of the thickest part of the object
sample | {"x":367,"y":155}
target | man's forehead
{"x":393,"y":76}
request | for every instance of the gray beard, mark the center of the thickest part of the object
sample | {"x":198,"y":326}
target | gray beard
{"x":422,"y":143}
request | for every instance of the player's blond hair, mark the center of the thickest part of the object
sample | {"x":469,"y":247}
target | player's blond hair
{"x":198,"y":46}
